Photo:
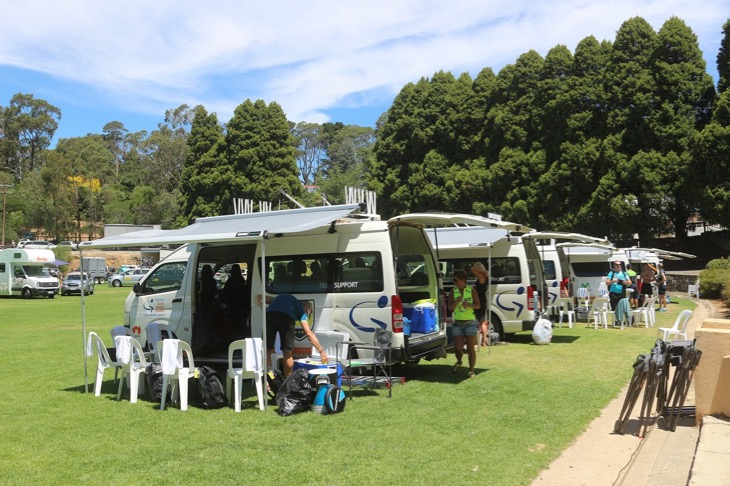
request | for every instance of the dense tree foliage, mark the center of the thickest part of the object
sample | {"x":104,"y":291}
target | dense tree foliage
{"x":617,"y":138}
{"x":600,"y":141}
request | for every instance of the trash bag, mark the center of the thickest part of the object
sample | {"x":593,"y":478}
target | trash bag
{"x":153,"y":378}
{"x":542,"y":333}
{"x":296,"y":393}
{"x":275,"y":379}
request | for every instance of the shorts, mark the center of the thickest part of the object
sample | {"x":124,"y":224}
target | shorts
{"x":662,"y":290}
{"x":464,"y":328}
{"x":646,"y":289}
{"x":278,"y":322}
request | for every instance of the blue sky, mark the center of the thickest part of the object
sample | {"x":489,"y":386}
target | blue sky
{"x":102,"y":61}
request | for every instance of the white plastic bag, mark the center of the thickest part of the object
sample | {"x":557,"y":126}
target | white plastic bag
{"x":542,"y":333}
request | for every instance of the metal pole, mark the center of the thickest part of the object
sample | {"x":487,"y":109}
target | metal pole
{"x":263,"y":318}
{"x":83,"y":323}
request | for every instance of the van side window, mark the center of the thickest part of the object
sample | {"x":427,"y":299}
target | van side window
{"x":326,"y":273}
{"x":2,"y":267}
{"x":165,"y":278}
{"x":506,"y":270}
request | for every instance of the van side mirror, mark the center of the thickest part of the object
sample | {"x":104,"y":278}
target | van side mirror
{"x":136,"y":289}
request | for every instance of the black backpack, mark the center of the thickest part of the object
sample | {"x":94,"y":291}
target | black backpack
{"x":153,"y":377}
{"x":211,"y":389}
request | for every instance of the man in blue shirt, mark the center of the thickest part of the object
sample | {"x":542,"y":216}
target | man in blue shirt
{"x":281,"y":315}
{"x":616,"y":280}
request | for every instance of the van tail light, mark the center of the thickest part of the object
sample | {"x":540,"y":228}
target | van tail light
{"x":530,"y":301}
{"x":397,"y":310}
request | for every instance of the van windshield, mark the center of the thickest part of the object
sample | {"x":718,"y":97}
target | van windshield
{"x":36,"y":271}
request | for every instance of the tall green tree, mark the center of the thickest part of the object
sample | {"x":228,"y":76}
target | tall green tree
{"x":262,"y":153}
{"x":723,"y":59}
{"x":203,"y":180}
{"x":28,"y":125}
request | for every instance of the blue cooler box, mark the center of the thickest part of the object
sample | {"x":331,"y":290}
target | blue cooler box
{"x":311,"y":364}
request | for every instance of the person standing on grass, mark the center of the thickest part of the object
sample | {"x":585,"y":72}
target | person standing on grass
{"x":482,"y":275}
{"x":648,"y":274}
{"x":462,"y":304}
{"x":633,"y":295}
{"x":661,"y":281}
{"x":281,"y":315}
{"x":617,"y":281}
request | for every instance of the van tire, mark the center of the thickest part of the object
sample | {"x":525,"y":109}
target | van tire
{"x":498,"y":327}
{"x":26,"y":293}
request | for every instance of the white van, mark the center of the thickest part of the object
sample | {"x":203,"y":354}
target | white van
{"x":364,"y":281}
{"x":590,"y":264}
{"x":516,"y":271}
{"x":24,"y":272}
{"x":555,"y":263}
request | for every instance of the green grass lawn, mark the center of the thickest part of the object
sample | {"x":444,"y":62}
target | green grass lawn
{"x":525,"y":405}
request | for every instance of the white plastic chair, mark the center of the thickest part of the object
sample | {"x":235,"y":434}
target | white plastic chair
{"x":601,"y":312}
{"x":104,"y":361}
{"x":645,"y":313}
{"x":174,"y":369}
{"x":119,"y":331}
{"x":678,"y":329}
{"x":252,"y":352}
{"x":565,"y":307}
{"x":154,"y":331}
{"x":693,"y":290}
{"x":131,"y":355}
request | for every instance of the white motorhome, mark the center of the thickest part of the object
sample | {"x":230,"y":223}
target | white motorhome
{"x":555,"y":263}
{"x":513,"y":262}
{"x":24,"y":272}
{"x":590,"y":263}
{"x":356,"y":274}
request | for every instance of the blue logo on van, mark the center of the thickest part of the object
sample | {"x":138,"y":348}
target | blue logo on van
{"x":382,"y":302}
{"x":553,"y":295}
{"x":520,"y":307}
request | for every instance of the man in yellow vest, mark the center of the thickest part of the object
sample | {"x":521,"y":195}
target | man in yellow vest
{"x":464,"y":300}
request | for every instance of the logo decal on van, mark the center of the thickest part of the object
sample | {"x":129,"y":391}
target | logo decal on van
{"x":520,"y":307}
{"x":381,"y":303}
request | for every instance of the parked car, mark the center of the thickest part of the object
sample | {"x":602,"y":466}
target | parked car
{"x":38,"y":244}
{"x":130,"y":277}
{"x":72,"y":284}
{"x":70,"y":244}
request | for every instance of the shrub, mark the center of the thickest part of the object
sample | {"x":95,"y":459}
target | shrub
{"x":715,"y":279}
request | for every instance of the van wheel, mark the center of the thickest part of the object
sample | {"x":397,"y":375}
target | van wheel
{"x":498,"y":327}
{"x":116,"y":283}
{"x":26,"y":293}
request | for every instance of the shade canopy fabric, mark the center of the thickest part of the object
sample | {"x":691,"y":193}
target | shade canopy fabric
{"x":234,"y":227}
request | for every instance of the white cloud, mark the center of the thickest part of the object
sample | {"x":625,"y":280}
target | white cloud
{"x":307,"y":56}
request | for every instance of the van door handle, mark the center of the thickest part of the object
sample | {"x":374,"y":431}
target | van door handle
{"x":175,"y":301}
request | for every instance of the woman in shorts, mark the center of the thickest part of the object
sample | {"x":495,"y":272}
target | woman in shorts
{"x":462,"y":304}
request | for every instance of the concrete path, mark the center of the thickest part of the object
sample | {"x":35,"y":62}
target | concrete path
{"x":601,"y":457}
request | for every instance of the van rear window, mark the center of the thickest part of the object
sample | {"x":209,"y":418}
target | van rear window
{"x":590,"y":269}
{"x":325,"y":273}
{"x":549,"y":267}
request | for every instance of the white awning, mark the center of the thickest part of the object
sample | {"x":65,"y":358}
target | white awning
{"x":234,"y":227}
{"x":573,"y":237}
{"x":636,"y":253}
{"x":452,"y":219}
{"x":460,"y":237}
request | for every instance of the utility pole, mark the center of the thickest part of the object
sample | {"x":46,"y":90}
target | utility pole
{"x":4,"y":188}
